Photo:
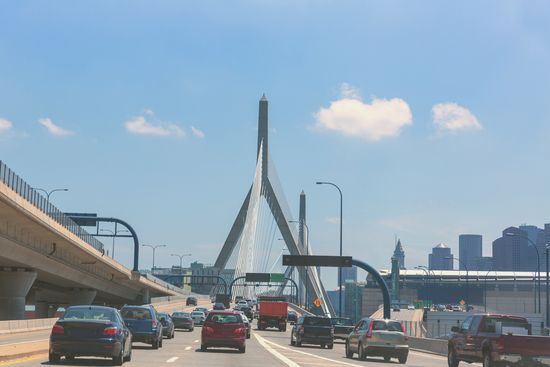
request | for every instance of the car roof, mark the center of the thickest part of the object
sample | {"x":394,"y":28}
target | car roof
{"x":224,"y":312}
{"x":81,"y":307}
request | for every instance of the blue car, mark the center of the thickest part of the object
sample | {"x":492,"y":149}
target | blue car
{"x":144,"y":323}
{"x":90,"y":331}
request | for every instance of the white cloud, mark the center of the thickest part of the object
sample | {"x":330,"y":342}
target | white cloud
{"x":350,"y":116}
{"x":452,"y":117}
{"x":198,"y":133}
{"x":53,"y":128}
{"x":5,"y":125}
{"x":140,"y":125}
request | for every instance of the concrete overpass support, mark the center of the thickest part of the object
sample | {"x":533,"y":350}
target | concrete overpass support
{"x":82,"y":297}
{"x":15,"y":283}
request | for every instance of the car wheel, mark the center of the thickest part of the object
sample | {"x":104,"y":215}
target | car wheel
{"x":69,"y":358}
{"x":402,"y":359}
{"x":452,"y":361}
{"x":298,"y":342}
{"x":349,"y":353}
{"x":204,"y":348}
{"x":487,"y":362}
{"x":242,"y":349}
{"x":387,"y":359}
{"x":322,"y":346}
{"x":119,"y":360}
{"x":128,"y":358}
{"x":156,"y":344}
{"x":192,"y":329}
{"x":330,"y":346}
{"x":160,"y":342}
{"x":361,"y":352}
{"x":54,"y":358}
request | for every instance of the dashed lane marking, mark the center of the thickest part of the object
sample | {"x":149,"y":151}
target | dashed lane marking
{"x":277,"y":355}
{"x":187,"y":348}
{"x":196,"y":341}
{"x":172,"y":360}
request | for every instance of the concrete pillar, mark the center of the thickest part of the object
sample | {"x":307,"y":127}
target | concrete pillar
{"x":82,"y":297}
{"x":15,"y":283}
{"x":145,"y":297}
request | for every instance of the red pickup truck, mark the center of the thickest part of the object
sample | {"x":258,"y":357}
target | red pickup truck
{"x":497,"y":340}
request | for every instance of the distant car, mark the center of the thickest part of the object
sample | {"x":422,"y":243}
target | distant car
{"x":144,"y":324}
{"x":198,"y":317}
{"x":248,"y":324}
{"x":411,"y":308}
{"x":378,"y":337}
{"x":396,"y":308}
{"x":183,"y":320}
{"x":90,"y":331}
{"x":247,"y":311}
{"x":219,"y":306}
{"x":168,"y":328}
{"x":191,"y":301}
{"x":457,"y":308}
{"x":312,"y":330}
{"x":224,"y":329}
{"x":292,"y":316}
{"x":242,"y":302}
{"x":202,"y":309}
{"x":440,"y":308}
{"x":343,"y":326}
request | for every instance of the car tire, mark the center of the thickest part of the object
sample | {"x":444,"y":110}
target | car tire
{"x":242,"y":349}
{"x":349,"y":353}
{"x":487,"y":361}
{"x":160,"y":342}
{"x":361,"y":352}
{"x":204,"y":348}
{"x":402,"y":359}
{"x":69,"y":358}
{"x":452,"y":361}
{"x":387,"y":359}
{"x":156,"y":344}
{"x":128,"y":358}
{"x":330,"y":346}
{"x":119,"y":360}
{"x":322,"y":346}
{"x":54,"y":358}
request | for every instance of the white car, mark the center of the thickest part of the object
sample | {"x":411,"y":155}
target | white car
{"x":198,"y":317}
{"x":410,"y":307}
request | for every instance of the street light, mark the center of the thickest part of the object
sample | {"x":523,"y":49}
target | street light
{"x":48,"y":193}
{"x":339,"y":268}
{"x":425,"y":270}
{"x":512,"y":234}
{"x":467,"y":277}
{"x":485,"y":288}
{"x":154,"y":250}
{"x":114,"y":235}
{"x":181,"y":256}
{"x":307,"y":253}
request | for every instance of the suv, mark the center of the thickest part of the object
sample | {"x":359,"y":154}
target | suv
{"x":191,"y":301}
{"x":144,"y":323}
{"x":378,"y":337}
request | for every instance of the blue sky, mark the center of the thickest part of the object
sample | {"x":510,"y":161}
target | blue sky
{"x":432,"y":116}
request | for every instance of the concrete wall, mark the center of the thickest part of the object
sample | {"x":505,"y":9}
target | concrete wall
{"x":436,"y":346}
{"x":372,"y":299}
{"x":13,"y":326}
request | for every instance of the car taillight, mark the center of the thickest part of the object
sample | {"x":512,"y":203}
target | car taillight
{"x":240,"y":331}
{"x":332,"y":332}
{"x":58,"y":329}
{"x":154,"y":323}
{"x":369,"y":332}
{"x":301,"y":330}
{"x":110,"y":331}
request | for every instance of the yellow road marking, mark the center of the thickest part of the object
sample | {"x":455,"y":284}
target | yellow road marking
{"x":23,"y":360}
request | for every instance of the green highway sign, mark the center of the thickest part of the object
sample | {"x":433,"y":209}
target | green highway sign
{"x":277,"y":278}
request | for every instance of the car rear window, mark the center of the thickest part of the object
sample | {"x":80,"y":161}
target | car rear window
{"x":180,"y":314}
{"x":197,"y":313}
{"x":386,"y":325}
{"x":136,"y":313}
{"x":317,"y":321}
{"x":225,"y":318}
{"x":89,"y":314}
{"x":489,"y":325}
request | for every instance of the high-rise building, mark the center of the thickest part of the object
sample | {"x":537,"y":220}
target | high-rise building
{"x":399,"y":254}
{"x":484,"y":263}
{"x":349,"y":275}
{"x":512,"y":252}
{"x":441,"y":258}
{"x":470,"y":248}
{"x":353,"y":296}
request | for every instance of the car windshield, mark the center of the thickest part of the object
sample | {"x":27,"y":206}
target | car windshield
{"x":317,"y":321}
{"x":224,"y":318}
{"x":386,"y":325}
{"x":89,"y":314}
{"x":337,"y":321}
{"x":136,"y":313}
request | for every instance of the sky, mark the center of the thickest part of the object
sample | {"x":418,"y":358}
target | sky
{"x":432,"y":116}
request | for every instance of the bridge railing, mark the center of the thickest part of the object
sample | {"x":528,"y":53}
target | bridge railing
{"x":17,"y":184}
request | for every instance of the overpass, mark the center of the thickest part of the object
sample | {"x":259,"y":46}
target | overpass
{"x":46,"y":259}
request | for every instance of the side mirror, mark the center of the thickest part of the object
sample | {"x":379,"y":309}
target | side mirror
{"x":455,"y":329}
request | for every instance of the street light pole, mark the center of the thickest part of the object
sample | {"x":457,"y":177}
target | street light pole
{"x":154,"y":250}
{"x":181,"y":259}
{"x":423,"y":268}
{"x":339,"y":268}
{"x":512,"y":234}
{"x":467,"y":278}
{"x":48,"y":193}
{"x":114,"y":235}
{"x":307,"y":253}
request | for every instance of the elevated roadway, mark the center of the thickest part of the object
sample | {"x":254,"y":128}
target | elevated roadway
{"x":48,"y":261}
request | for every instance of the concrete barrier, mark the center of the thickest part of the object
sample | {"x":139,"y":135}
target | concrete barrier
{"x":436,"y":346}
{"x":21,"y":326}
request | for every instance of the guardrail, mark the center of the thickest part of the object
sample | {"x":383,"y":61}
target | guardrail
{"x":17,"y":184}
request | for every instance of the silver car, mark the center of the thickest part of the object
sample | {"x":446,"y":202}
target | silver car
{"x":380,"y":338}
{"x":198,"y":317}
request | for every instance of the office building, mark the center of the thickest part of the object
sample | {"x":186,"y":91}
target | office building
{"x":469,"y":251}
{"x":512,"y":252}
{"x":441,"y":258}
{"x":349,"y":275}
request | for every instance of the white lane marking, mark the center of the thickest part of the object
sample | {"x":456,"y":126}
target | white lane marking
{"x":196,"y":341}
{"x":172,"y":360}
{"x":278,"y":355}
{"x":26,"y":342}
{"x":313,"y":355}
{"x":187,"y":348}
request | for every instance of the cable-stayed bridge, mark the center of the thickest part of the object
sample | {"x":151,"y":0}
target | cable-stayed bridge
{"x":263,"y":219}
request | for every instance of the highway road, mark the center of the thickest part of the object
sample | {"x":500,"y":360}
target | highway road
{"x":265,"y":348}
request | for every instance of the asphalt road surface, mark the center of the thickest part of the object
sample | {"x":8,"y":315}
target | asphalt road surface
{"x":265,"y":349}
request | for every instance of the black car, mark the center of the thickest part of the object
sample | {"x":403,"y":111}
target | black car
{"x":312,"y":330}
{"x":191,"y":301}
{"x":292,"y":316}
{"x":168,"y":327}
{"x":183,"y":320}
{"x":90,"y":331}
{"x":144,"y":324}
{"x":219,"y":306}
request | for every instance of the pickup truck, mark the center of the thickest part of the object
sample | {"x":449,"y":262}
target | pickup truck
{"x":497,"y":340}
{"x":313,"y":330}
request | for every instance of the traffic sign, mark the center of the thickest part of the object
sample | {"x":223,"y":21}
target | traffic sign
{"x":257,"y":277}
{"x":315,"y":260}
{"x":317,"y":302}
{"x":277,"y":278}
{"x":462,"y":302}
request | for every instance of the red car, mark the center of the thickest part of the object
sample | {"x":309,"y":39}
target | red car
{"x":223,"y":329}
